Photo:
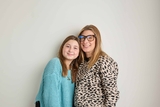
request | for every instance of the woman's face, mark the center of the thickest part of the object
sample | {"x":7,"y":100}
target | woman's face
{"x":86,"y":44}
{"x":71,"y":50}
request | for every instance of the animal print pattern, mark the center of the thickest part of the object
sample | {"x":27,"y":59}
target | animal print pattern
{"x":97,"y":86}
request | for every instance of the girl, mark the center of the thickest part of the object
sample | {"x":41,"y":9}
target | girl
{"x":57,"y":86}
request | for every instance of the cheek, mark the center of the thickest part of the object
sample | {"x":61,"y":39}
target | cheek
{"x":64,"y":51}
{"x":77,"y":52}
{"x":81,"y":45}
{"x":94,"y":44}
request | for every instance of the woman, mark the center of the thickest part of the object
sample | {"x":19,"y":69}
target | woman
{"x":96,"y":82}
{"x":57,"y":86}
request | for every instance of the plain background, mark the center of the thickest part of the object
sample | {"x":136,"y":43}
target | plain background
{"x":31,"y":32}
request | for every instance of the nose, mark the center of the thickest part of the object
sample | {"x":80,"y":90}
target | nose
{"x":70,"y":49}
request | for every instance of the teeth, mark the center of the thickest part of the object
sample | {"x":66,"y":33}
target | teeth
{"x":85,"y":46}
{"x":70,"y":53}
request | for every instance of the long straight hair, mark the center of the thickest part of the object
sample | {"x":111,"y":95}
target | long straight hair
{"x":98,"y":49}
{"x":75,"y":63}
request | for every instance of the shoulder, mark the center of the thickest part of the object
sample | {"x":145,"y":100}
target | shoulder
{"x":107,"y":59}
{"x":108,"y":65}
{"x":55,"y":60}
{"x":53,"y":66}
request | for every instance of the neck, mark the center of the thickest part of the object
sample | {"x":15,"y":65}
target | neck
{"x":88,"y":55}
{"x":67,"y":62}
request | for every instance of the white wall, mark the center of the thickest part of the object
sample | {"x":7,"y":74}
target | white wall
{"x":32,"y":30}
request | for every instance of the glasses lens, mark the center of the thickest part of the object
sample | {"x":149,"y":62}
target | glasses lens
{"x":90,"y":37}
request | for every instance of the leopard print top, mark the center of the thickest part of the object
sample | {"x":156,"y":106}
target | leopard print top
{"x":97,"y":87}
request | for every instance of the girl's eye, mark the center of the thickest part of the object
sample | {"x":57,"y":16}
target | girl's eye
{"x":76,"y":47}
{"x":67,"y":46}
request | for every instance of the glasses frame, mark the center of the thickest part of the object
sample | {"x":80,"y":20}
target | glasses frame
{"x":85,"y":37}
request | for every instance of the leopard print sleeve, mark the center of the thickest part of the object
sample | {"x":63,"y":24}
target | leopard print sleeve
{"x":109,"y":74}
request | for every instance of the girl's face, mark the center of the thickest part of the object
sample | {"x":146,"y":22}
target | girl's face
{"x":88,"y":44}
{"x":70,"y":50}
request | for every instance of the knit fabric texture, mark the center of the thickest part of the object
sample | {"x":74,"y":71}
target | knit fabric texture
{"x":55,"y":90}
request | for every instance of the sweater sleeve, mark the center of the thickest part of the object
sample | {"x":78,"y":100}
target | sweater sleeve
{"x":51,"y":91}
{"x":50,"y":86}
{"x":109,"y":81}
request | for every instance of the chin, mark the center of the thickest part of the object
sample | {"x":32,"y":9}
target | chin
{"x":86,"y":51}
{"x":69,"y":58}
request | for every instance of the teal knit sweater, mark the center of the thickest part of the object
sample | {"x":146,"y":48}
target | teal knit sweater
{"x":55,"y":90}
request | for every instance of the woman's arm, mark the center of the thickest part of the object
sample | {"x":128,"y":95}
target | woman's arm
{"x":109,"y":81}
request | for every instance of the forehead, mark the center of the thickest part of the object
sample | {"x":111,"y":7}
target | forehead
{"x":72,"y":42}
{"x":87,"y":32}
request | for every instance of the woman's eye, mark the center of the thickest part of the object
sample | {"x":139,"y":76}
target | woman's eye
{"x":89,"y":37}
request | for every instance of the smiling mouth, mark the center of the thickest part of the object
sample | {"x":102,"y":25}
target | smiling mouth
{"x":70,"y":53}
{"x":85,"y":46}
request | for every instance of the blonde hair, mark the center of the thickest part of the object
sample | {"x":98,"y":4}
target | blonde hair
{"x":75,"y":63}
{"x":97,"y":50}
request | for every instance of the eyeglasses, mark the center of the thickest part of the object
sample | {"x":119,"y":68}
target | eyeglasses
{"x":89,"y":37}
